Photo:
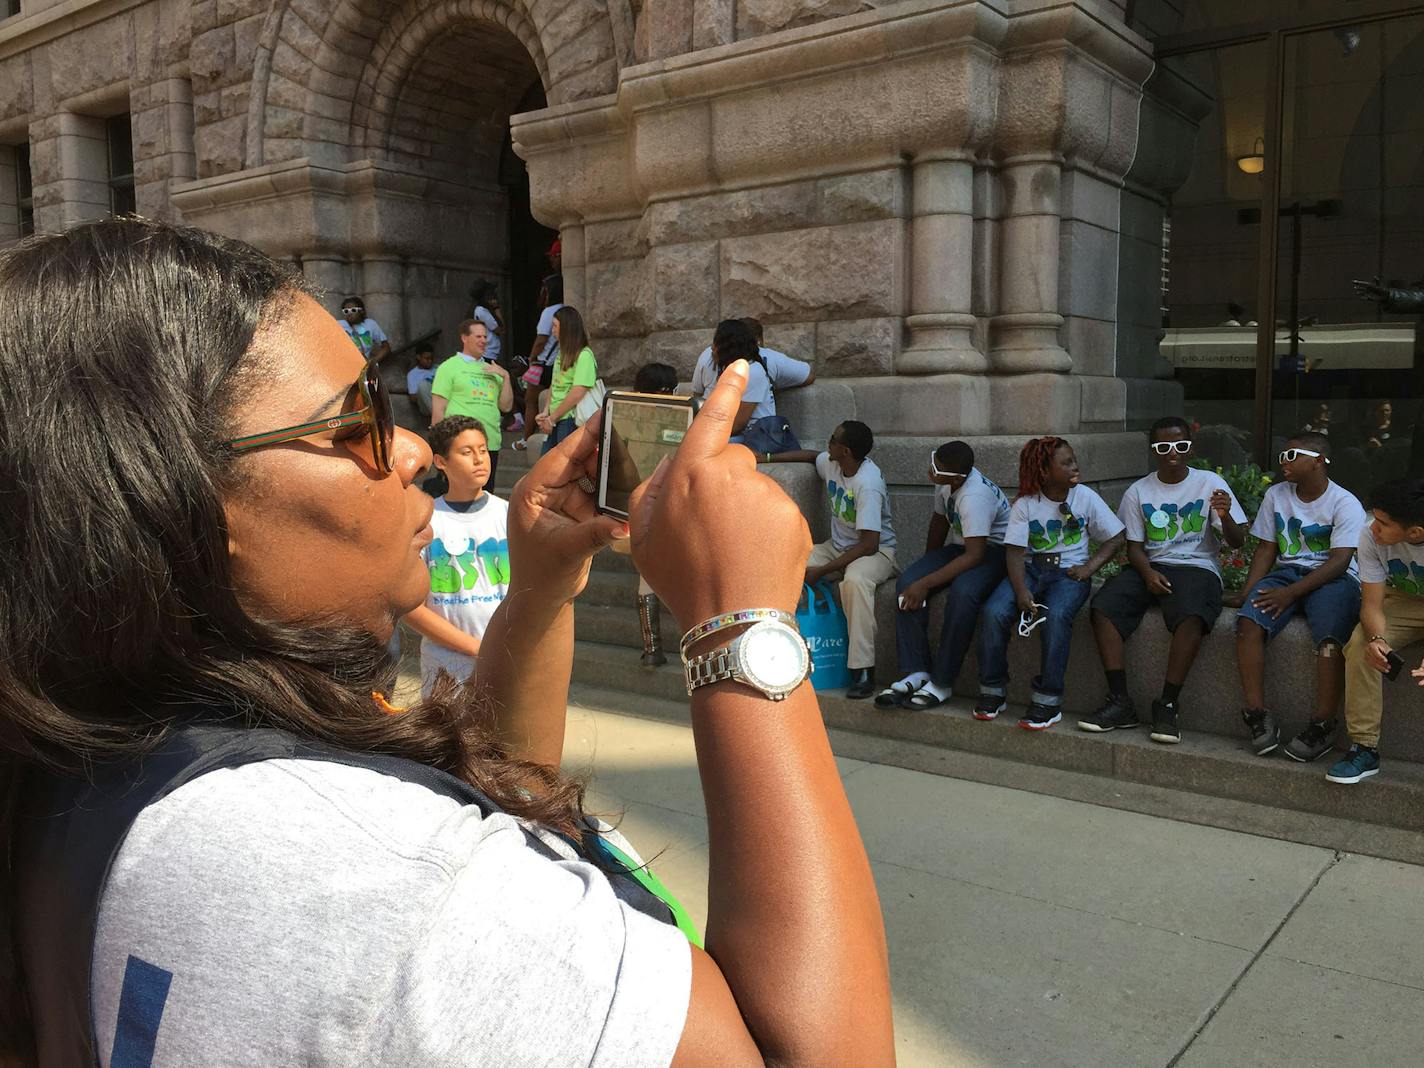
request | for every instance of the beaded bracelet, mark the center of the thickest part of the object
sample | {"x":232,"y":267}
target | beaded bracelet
{"x":732,"y":619}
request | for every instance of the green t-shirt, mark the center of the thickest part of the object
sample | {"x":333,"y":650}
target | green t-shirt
{"x":471,"y":388}
{"x":582,"y":372}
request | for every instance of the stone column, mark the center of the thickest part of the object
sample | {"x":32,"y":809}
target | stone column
{"x":1024,"y":333}
{"x":333,"y":276}
{"x":9,"y":196}
{"x":941,"y":322}
{"x":572,"y":266}
{"x":383,"y":286}
{"x":83,"y":149}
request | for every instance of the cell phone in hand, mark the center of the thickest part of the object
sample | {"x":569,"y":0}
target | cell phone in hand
{"x":1396,"y":665}
{"x":639,"y":429}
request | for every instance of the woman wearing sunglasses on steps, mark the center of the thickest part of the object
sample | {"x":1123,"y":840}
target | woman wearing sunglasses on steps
{"x":222,"y":849}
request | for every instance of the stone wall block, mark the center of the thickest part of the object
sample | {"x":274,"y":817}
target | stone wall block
{"x":16,"y":88}
{"x":673,"y":149}
{"x":857,"y":347}
{"x":597,"y":80}
{"x":150,"y":133}
{"x":1104,"y":399}
{"x":679,"y":348}
{"x":861,"y":197}
{"x":284,"y":122}
{"x":246,"y":36}
{"x":745,"y":211}
{"x":713,"y":23}
{"x":297,"y":32}
{"x":233,"y":100}
{"x":235,"y":10}
{"x":666,"y":26}
{"x":1093,"y":345}
{"x":848,"y":271}
{"x":617,"y":298}
{"x":756,"y":17}
{"x":1087,"y":277}
{"x":204,"y":15}
{"x":211,"y":59}
{"x":684,"y":281}
{"x":797,"y":340}
{"x":578,"y":21}
{"x":97,"y":56}
{"x":1089,"y":198}
{"x":619,"y":359}
{"x":219,"y":146}
{"x":615,"y":239}
{"x":207,"y":107}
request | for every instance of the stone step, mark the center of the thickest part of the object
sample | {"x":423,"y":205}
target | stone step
{"x":617,"y":625}
{"x":1202,"y":763}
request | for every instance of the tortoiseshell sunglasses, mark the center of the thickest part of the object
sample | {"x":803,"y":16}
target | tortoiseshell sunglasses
{"x":374,"y":418}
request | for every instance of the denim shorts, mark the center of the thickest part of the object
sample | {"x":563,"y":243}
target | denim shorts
{"x":1332,"y":610}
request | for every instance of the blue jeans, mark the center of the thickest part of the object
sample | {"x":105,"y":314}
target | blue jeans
{"x":562,"y":429}
{"x":963,"y":598}
{"x":1332,"y":610}
{"x":1050,"y":586}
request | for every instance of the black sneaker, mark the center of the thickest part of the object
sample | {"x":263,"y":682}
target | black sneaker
{"x":1265,"y":734}
{"x":1116,"y":714}
{"x":862,"y":687}
{"x":1040,"y":717}
{"x":989,"y":706}
{"x":1164,"y":723}
{"x":1315,"y":741}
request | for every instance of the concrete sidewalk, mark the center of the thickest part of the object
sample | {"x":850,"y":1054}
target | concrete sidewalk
{"x":1031,"y":930}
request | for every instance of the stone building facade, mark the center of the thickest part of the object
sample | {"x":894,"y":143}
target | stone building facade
{"x":953,"y":207}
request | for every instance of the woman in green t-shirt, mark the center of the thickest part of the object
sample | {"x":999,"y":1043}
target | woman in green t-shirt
{"x":575,"y":375}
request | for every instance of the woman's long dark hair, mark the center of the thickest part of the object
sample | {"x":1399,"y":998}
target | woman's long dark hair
{"x":125,"y":347}
{"x":733,"y":340}
{"x":573,"y":337}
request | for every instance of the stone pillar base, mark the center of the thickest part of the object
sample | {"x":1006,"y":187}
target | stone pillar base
{"x":1028,"y":341}
{"x":941,"y":343}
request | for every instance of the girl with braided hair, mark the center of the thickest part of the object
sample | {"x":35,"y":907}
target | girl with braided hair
{"x":1049,"y":576}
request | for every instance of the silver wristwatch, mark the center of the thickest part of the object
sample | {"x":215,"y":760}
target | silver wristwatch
{"x":769,"y":656}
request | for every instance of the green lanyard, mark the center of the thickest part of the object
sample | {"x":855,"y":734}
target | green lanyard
{"x":653,"y":885}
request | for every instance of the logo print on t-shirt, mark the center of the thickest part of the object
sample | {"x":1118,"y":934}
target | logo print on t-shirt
{"x":1291,"y":536}
{"x":1042,"y":539}
{"x":1189,"y":519}
{"x":451,"y":573}
{"x":1406,"y":578}
{"x":842,"y":502}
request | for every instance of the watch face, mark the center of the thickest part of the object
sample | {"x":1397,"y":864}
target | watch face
{"x":773,"y":657}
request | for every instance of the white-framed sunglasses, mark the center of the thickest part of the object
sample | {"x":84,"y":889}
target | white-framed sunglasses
{"x":1289,"y":455}
{"x":1162,"y":448}
{"x":1028,"y":622}
{"x":934,"y":469}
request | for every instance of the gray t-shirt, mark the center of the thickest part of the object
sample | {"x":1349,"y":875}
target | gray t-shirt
{"x":858,"y":502}
{"x":1174,"y":522}
{"x":313,"y":913}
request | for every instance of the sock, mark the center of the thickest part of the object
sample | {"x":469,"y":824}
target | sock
{"x":913,"y":681}
{"x":1170,"y":692}
{"x":1117,"y":682}
{"x":942,"y":693}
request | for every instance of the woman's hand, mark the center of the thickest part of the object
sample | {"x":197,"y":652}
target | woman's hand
{"x":545,"y":422}
{"x":554,"y":529}
{"x":694,"y":540}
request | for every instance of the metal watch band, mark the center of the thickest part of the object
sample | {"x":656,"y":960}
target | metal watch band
{"x":704,"y":670}
{"x":732,"y":619}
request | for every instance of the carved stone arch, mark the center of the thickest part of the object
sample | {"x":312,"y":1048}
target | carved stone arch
{"x":406,"y":39}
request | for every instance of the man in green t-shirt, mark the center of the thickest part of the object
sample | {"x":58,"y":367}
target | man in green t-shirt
{"x":468,"y":384}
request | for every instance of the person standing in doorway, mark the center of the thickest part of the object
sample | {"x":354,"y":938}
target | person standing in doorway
{"x":542,"y":355}
{"x":364,"y":331}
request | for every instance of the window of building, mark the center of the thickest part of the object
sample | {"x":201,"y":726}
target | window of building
{"x":1305,"y":175}
{"x":119,"y":133}
{"x":24,"y":190}
{"x":8,"y":8}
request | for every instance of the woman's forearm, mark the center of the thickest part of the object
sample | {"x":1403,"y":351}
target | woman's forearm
{"x":530,"y":706}
{"x":569,"y":403}
{"x":793,"y":918}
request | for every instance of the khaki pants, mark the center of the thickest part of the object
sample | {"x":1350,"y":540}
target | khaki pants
{"x":1364,"y":698}
{"x":858,"y":598}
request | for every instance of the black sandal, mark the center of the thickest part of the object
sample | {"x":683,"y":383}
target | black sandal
{"x":923,"y":699}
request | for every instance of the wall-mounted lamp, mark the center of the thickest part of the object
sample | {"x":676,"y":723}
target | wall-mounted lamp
{"x":1254,"y":162}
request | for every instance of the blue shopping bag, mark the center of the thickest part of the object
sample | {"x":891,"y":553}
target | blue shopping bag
{"x":823,"y":625}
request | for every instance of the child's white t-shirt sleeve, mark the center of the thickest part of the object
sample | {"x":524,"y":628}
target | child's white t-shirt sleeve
{"x":1129,"y":512}
{"x":1102,"y":522}
{"x":377,"y":334}
{"x":976,"y":514}
{"x":1349,"y":522}
{"x":1017,"y":532}
{"x":1265,"y":525}
{"x":823,"y":466}
{"x":869,"y":506}
{"x":1372,"y":563}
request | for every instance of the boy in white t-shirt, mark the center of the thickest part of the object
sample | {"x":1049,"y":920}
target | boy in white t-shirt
{"x":1049,"y":577}
{"x":1176,"y":519}
{"x":468,"y":557}
{"x":1309,"y":528}
{"x":862,"y":545}
{"x":1391,"y":558}
{"x":964,"y":560}
{"x":365,"y":333}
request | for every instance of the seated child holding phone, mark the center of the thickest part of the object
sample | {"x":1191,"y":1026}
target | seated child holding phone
{"x":1050,"y":576}
{"x":1391,"y":558}
{"x":468,"y":558}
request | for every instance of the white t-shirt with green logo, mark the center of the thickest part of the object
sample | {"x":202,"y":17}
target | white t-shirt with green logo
{"x":366,"y":334}
{"x":1041,"y":525}
{"x":1400,"y":567}
{"x":978,"y":509}
{"x":858,"y":502}
{"x":1174,"y":521}
{"x":1305,"y":532}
